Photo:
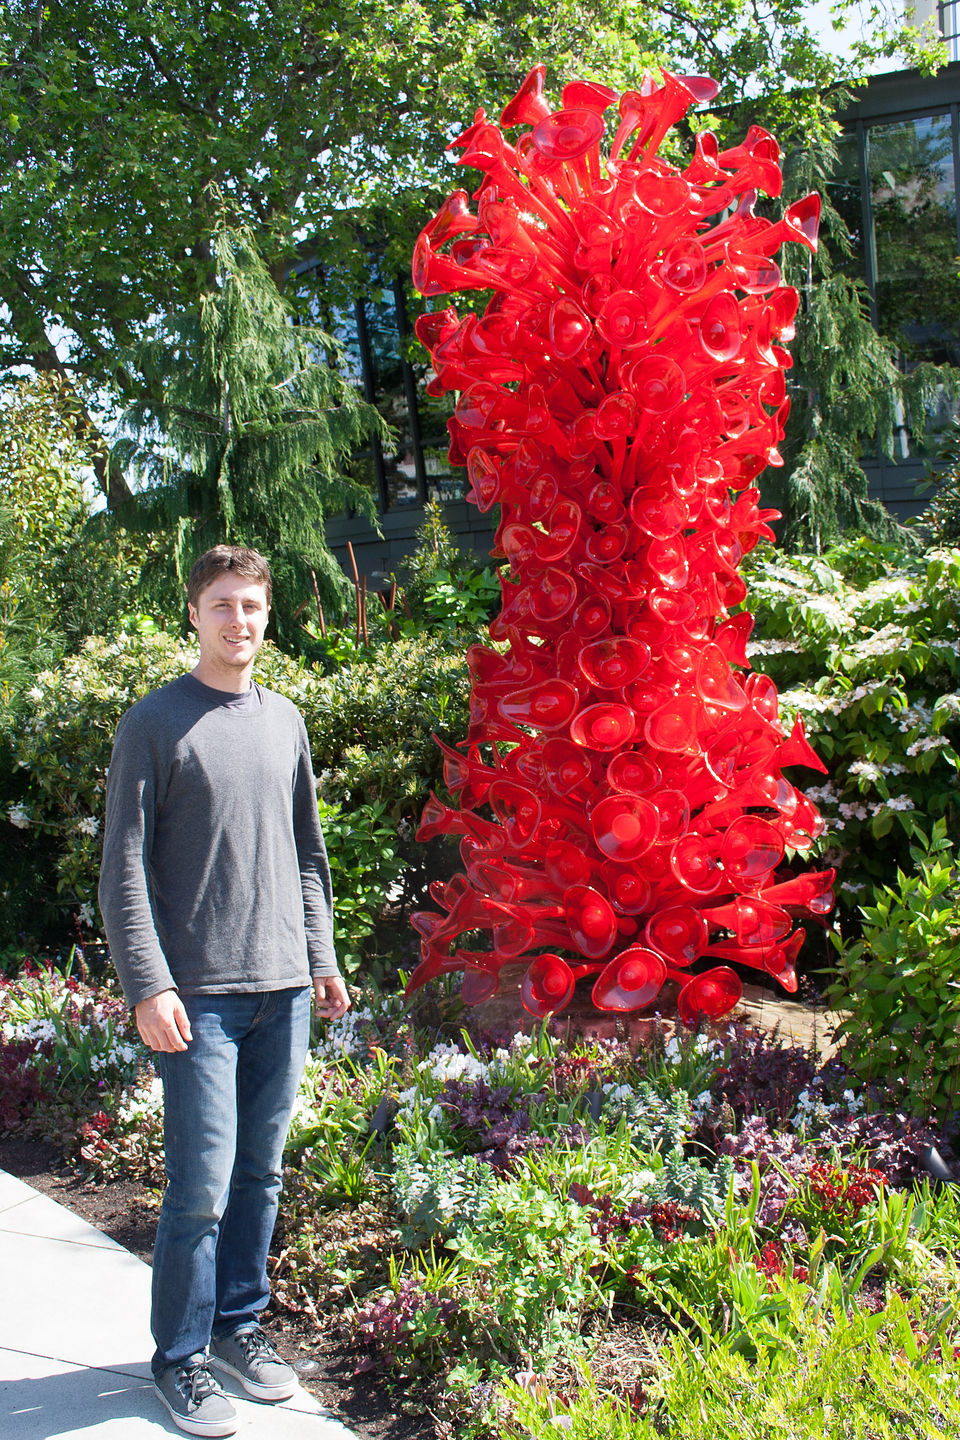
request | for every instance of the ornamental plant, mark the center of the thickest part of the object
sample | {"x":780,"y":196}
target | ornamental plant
{"x":863,"y":643}
{"x":899,"y":984}
{"x":82,"y":1034}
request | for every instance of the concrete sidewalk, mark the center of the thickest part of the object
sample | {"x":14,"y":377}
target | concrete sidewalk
{"x":75,"y":1345}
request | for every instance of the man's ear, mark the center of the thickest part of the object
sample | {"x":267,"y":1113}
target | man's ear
{"x":192,"y":615}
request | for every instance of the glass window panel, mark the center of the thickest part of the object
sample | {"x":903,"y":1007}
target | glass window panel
{"x":914,"y":200}
{"x":950,"y":27}
{"x":383,"y":336}
{"x":846,"y":195}
{"x":386,"y":378}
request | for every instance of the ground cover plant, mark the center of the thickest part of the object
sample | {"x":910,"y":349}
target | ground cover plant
{"x":526,"y":1232}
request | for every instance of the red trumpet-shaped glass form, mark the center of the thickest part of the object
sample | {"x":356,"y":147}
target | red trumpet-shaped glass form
{"x":631,"y":981}
{"x":547,"y":985}
{"x":619,"y":799}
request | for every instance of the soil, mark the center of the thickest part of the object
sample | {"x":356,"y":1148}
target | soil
{"x":127,"y":1212}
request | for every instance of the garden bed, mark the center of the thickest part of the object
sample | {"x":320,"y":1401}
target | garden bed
{"x":484,"y":1234}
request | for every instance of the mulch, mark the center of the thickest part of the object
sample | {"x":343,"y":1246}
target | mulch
{"x":367,"y":1402}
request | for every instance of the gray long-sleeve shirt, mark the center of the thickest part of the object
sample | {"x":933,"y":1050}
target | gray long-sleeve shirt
{"x":214,"y":875}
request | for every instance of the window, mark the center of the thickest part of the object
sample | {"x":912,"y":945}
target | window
{"x":949,"y":15}
{"x":913,"y":202}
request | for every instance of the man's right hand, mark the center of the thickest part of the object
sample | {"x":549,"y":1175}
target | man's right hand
{"x":162,"y":1022}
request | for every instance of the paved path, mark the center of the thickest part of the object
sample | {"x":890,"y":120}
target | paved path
{"x":74,"y":1339}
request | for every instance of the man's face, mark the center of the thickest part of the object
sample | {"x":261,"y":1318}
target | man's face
{"x":230,"y":617}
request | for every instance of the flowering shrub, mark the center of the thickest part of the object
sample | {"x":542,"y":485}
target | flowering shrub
{"x":863,"y":643}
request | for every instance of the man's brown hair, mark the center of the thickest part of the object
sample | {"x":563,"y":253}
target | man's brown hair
{"x":226,"y":560}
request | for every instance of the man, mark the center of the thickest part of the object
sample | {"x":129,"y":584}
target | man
{"x":215,"y":893}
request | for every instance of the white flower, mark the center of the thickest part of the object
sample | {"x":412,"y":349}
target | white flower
{"x":887,"y":641}
{"x":822,"y":794}
{"x":860,"y":693}
{"x":866,"y":769}
{"x":19,"y":816}
{"x":341,"y":1038}
{"x":89,"y":825}
{"x":809,"y":703}
{"x":87,"y":917}
{"x":927,"y":742}
{"x":143,"y":1101}
{"x":774,"y":647}
{"x":833,"y":613}
{"x":915,"y":717}
{"x":446,"y":1062}
{"x":34,"y":694}
{"x":884,"y":590}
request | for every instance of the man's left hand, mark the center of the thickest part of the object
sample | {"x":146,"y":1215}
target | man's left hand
{"x":330,"y":995}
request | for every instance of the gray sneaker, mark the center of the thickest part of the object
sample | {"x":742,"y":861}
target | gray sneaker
{"x":192,"y":1394}
{"x":249,"y":1357}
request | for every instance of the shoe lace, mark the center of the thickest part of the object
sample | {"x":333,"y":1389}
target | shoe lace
{"x":255,"y":1346}
{"x":198,"y":1382}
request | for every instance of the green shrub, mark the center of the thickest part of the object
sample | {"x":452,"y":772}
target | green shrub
{"x":899,"y":984}
{"x":863,"y":644}
{"x":445,"y":589}
{"x":370,"y":724}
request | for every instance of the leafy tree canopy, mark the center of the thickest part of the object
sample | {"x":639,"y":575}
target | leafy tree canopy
{"x":61,"y":577}
{"x":319,"y":120}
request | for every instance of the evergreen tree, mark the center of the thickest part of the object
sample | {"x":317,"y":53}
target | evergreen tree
{"x":246,"y":444}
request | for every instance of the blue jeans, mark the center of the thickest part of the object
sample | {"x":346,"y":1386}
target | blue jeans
{"x":227,"y":1102}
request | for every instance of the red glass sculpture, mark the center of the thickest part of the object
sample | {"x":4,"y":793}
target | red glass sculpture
{"x":622,"y":806}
